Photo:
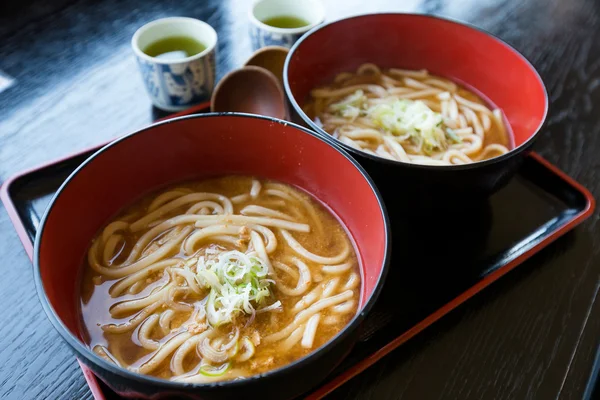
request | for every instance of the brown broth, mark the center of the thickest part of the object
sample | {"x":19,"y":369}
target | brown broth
{"x":126,"y":349}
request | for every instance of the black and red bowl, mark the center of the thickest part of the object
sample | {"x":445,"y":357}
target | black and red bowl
{"x":193,"y":148}
{"x":457,"y":51}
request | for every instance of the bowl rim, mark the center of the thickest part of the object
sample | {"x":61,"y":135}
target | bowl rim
{"x":392,"y":163}
{"x":80,"y":348}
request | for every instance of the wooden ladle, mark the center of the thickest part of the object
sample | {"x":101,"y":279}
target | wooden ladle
{"x":271,"y":58}
{"x":252,"y":90}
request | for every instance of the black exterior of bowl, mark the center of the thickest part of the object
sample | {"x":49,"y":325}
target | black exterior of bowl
{"x":286,"y":382}
{"x":422,"y":189}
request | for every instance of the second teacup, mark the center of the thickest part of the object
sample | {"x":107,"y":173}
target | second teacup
{"x":282,"y":22}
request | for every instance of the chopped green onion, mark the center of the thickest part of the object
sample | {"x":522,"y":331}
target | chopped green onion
{"x":234,"y":350}
{"x":350,"y":106}
{"x":407,"y":117}
{"x":209,"y":370}
{"x":237,"y":283}
{"x":453,"y":136}
{"x":249,"y":350}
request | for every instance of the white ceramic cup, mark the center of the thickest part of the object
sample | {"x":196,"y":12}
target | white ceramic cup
{"x":262,"y":35}
{"x":177,"y":84}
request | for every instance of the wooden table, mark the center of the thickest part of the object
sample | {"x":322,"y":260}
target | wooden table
{"x":532,"y":335}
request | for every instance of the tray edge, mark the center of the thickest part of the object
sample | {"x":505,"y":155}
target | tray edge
{"x":358,"y":368}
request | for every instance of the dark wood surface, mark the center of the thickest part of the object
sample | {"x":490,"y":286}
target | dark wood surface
{"x":532,"y":335}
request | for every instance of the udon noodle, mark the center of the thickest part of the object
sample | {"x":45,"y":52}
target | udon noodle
{"x":218,"y":280}
{"x":409,"y":116}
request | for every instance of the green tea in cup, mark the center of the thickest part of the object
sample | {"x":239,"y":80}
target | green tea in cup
{"x":174,"y":48}
{"x":286,"y":22}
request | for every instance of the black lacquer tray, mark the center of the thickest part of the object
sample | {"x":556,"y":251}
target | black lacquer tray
{"x":440,"y":258}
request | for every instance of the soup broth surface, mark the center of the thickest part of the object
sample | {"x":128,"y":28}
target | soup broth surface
{"x":217,"y":280}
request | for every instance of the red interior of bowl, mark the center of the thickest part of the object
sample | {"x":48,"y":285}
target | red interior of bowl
{"x":413,"y":41}
{"x":193,"y":148}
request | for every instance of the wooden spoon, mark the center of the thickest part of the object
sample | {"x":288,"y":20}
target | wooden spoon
{"x":251,"y":90}
{"x":271,"y":58}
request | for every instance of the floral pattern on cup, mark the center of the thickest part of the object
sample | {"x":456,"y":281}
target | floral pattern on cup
{"x":261,"y":38}
{"x":179,"y":85}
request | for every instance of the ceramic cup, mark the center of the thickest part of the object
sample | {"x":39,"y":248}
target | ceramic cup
{"x":261,"y":34}
{"x":177,"y":84}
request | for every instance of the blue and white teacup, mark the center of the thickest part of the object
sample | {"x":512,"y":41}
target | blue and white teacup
{"x":262,"y":35}
{"x":177,"y":84}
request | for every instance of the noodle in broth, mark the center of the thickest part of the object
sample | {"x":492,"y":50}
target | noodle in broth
{"x":218,"y":280}
{"x":409,"y":116}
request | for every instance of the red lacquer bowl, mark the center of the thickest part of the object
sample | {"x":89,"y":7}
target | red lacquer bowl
{"x":447,"y":48}
{"x":192,"y":148}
